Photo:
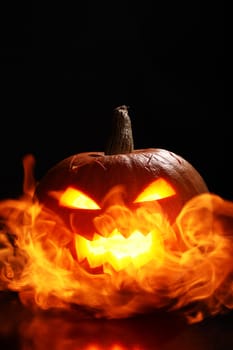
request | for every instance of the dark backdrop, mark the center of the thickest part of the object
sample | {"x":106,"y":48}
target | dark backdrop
{"x":65,"y":67}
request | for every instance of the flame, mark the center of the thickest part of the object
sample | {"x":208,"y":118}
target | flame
{"x":187,"y":266}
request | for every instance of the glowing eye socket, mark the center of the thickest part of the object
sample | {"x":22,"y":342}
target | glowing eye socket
{"x":158,"y":189}
{"x":74,"y":198}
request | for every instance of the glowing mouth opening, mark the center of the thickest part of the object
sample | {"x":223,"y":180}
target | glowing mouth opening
{"x":119,"y":251}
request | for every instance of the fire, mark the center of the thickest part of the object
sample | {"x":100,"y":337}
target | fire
{"x":187,"y":266}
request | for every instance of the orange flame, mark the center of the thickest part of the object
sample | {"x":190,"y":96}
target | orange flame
{"x":187,"y":266}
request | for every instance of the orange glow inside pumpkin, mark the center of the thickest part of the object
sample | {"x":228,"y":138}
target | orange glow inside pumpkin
{"x":74,"y":198}
{"x":114,"y":248}
{"x":117,"y":250}
{"x":158,"y":189}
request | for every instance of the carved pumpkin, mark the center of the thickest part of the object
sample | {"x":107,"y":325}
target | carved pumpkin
{"x":97,"y":193}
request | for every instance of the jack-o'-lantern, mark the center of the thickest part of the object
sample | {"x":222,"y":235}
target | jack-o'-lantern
{"x":99,"y":194}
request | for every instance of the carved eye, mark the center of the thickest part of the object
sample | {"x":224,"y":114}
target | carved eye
{"x":158,"y":189}
{"x":74,"y":198}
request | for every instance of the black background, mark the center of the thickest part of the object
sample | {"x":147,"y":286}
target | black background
{"x":65,"y":67}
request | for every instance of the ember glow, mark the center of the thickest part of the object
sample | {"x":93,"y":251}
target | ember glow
{"x":187,"y":266}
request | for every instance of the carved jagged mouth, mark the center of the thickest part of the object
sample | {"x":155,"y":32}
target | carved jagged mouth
{"x":120,"y":252}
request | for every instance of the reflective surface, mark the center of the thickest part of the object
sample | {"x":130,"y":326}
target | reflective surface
{"x":22,"y":329}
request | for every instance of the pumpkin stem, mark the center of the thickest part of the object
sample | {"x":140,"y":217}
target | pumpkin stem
{"x":121,"y":136}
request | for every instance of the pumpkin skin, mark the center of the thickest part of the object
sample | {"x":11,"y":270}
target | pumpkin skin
{"x":117,"y":194}
{"x":117,"y":180}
